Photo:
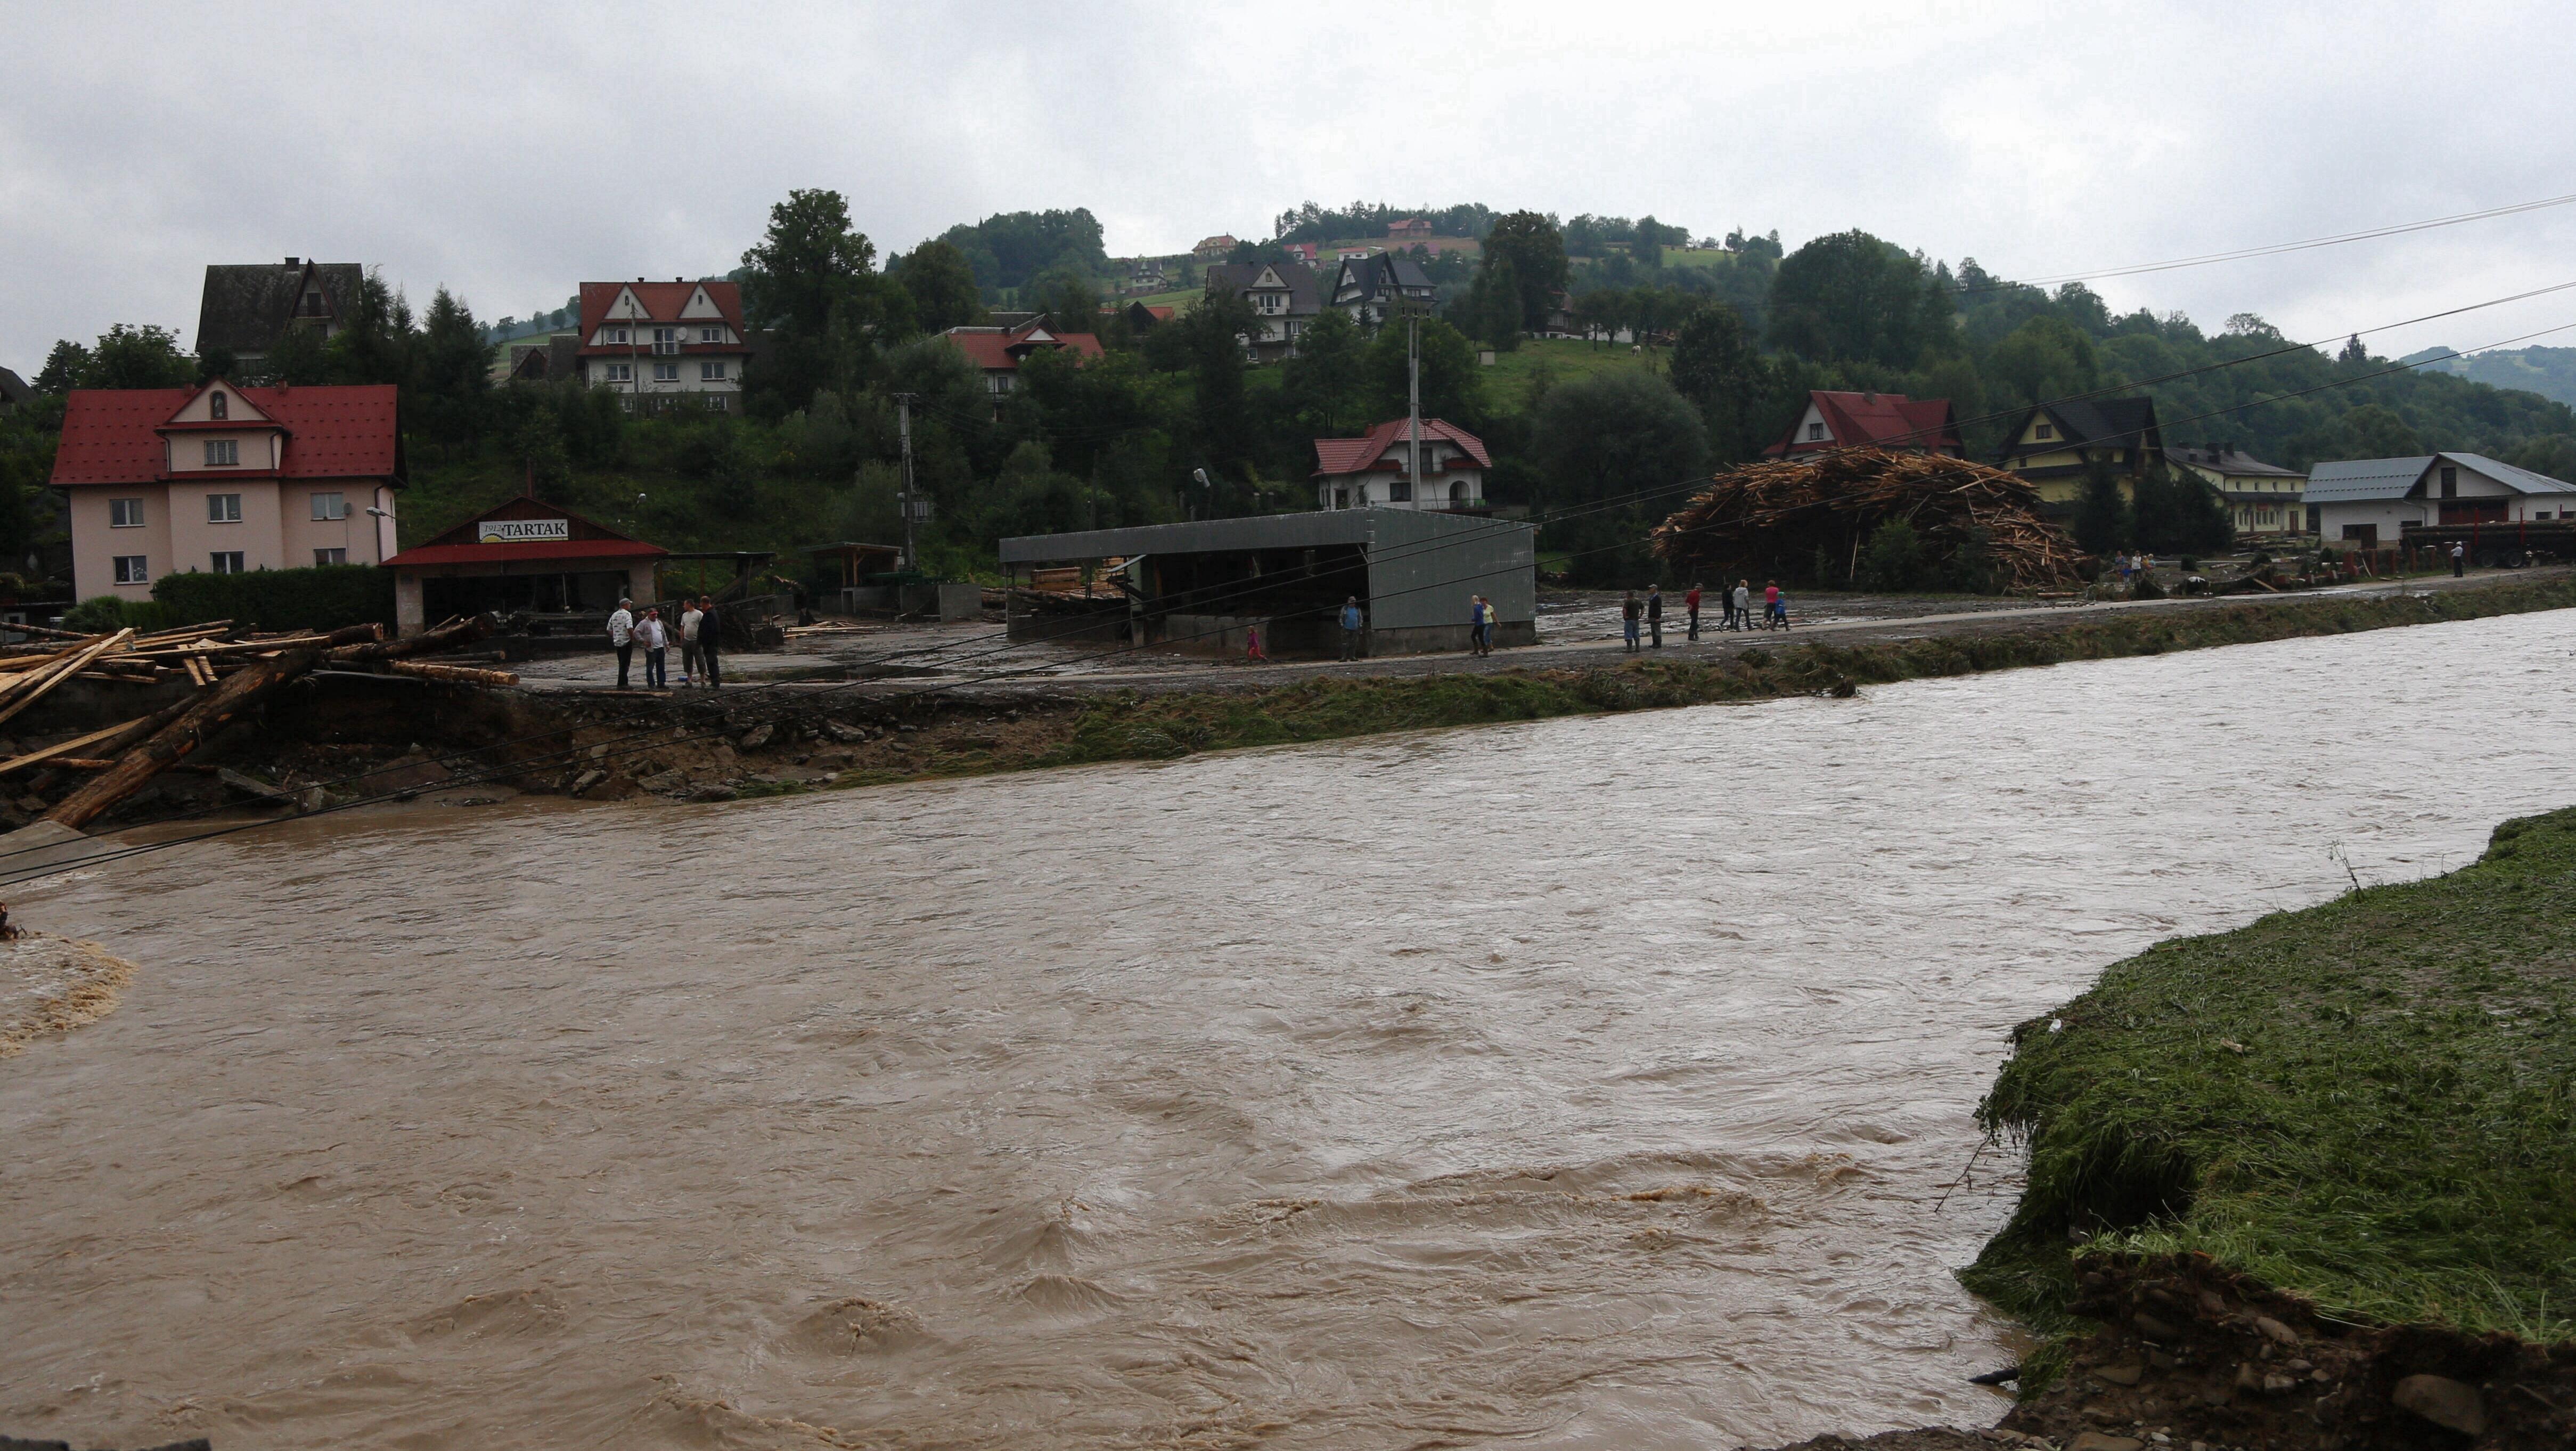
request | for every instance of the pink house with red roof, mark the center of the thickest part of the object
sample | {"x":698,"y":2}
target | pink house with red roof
{"x":1374,"y":471}
{"x":1871,"y":420}
{"x":660,"y":343}
{"x":225,"y":479}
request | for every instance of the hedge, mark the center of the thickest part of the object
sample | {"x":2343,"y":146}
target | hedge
{"x":324,"y":597}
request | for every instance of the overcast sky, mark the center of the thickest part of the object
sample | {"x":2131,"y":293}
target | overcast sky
{"x":511,"y":151}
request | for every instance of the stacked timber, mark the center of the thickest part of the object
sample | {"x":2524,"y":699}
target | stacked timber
{"x":1778,"y":520}
{"x":227,"y":673}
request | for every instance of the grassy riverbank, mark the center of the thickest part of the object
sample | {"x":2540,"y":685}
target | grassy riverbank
{"x":2368,"y":1105}
{"x":1157,"y":726}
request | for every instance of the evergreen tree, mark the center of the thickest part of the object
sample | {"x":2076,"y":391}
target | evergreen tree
{"x":64,"y":368}
{"x":1326,"y":385}
{"x":2101,"y":513}
{"x":1717,"y":367}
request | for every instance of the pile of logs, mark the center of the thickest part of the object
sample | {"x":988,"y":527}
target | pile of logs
{"x":1776,"y":520}
{"x":228,"y":673}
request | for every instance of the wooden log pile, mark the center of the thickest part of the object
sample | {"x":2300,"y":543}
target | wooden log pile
{"x":228,"y":671}
{"x":1777,"y":520}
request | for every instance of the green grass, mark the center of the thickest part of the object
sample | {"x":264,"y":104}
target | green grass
{"x":2370,"y":1104}
{"x":1565,"y":359}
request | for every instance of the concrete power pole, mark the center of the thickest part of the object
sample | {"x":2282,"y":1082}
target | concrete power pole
{"x":903,"y":414}
{"x":1413,"y":378}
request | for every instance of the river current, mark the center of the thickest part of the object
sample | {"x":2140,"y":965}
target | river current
{"x":1601,"y":1082}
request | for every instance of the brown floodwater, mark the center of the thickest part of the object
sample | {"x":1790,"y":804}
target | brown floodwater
{"x":1590,"y":1082}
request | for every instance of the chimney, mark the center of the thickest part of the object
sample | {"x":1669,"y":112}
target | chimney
{"x":294,"y":261}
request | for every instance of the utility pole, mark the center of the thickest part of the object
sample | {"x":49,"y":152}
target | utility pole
{"x":1413,"y":378}
{"x":903,"y":413}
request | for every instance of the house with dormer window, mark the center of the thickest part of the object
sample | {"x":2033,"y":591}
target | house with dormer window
{"x":1376,"y":470}
{"x":246,"y":309}
{"x":1835,"y":420}
{"x":1373,"y":288}
{"x":663,"y":343}
{"x":225,"y":479}
{"x":1285,"y":297}
{"x":2054,"y":445}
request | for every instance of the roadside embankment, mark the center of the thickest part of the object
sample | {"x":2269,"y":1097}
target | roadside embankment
{"x":2307,"y":1183}
{"x":354,"y":739}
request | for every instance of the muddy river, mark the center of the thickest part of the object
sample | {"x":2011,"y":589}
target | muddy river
{"x":1583,"y":1083}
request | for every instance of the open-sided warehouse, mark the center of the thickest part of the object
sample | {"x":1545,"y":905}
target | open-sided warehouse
{"x":1201,"y":586}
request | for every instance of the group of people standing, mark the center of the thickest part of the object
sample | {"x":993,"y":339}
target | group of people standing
{"x":697,"y":640}
{"x":1645,"y":617}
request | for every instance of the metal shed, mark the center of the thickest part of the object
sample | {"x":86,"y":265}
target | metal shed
{"x":1200,"y":586}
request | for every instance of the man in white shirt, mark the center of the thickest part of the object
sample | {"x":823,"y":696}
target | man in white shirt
{"x":688,"y":639}
{"x":621,"y":634}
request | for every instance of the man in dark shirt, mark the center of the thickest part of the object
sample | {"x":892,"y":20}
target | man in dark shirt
{"x":710,"y":640}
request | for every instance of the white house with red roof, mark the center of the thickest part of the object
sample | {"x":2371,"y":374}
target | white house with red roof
{"x":225,"y":479}
{"x":660,"y":343}
{"x":1374,"y":471}
{"x":1871,"y":420}
{"x":999,"y":351}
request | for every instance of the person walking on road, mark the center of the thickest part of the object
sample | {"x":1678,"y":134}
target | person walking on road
{"x":1352,"y":623}
{"x":708,"y":640}
{"x":1486,"y":635}
{"x":1252,"y":646}
{"x":621,"y":637}
{"x":1775,"y":610}
{"x":650,"y":634}
{"x":1475,"y":624}
{"x":1630,"y":612}
{"x":688,"y":640}
{"x":2459,"y":560}
{"x":1655,"y":613}
{"x":1741,"y":618}
{"x":1690,"y":602}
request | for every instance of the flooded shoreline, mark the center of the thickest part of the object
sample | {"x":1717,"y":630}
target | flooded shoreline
{"x":1590,"y":1081}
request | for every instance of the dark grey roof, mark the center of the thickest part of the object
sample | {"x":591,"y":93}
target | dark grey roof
{"x":245,"y":308}
{"x":2090,"y":423}
{"x":2231,"y":461}
{"x":1304,"y":287}
{"x":2347,"y":481}
{"x":13,"y":389}
{"x":1383,"y":272}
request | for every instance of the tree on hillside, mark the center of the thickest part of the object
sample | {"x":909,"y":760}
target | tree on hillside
{"x":1490,"y":312}
{"x":942,"y":285}
{"x":1716,"y":366}
{"x":64,"y":368}
{"x":811,"y":282}
{"x":453,"y":374}
{"x":1325,"y":386}
{"x":2353,"y":354}
{"x":2372,"y":431}
{"x":1452,"y":386}
{"x":137,"y":357}
{"x":1851,"y":297}
{"x":1618,"y":449}
{"x":1010,"y":249}
{"x":1208,"y":343}
{"x":1070,"y":301}
{"x":2046,"y":357}
{"x":1537,"y":254}
{"x":2552,"y":455}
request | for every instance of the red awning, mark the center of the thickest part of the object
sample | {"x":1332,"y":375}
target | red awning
{"x":525,"y":551}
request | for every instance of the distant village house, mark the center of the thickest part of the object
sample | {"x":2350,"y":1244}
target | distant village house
{"x":2366,"y":503}
{"x":246,"y":309}
{"x":662,"y":343}
{"x":998,"y":349}
{"x":1373,"y":289}
{"x":1411,"y":229}
{"x":2261,"y":498}
{"x":1871,"y":420}
{"x":1375,"y":470}
{"x":2054,"y":445}
{"x":1285,"y":297}
{"x":1213,"y":249}
{"x":225,"y":479}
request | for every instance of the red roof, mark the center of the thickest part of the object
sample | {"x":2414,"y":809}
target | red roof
{"x":999,"y":350}
{"x":662,"y":303}
{"x":1359,"y":455}
{"x":1875,"y":420}
{"x":113,"y":435}
{"x":526,"y":549}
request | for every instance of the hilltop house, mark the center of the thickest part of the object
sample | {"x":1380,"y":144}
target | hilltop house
{"x":659,"y":343}
{"x":1283,"y":296}
{"x":1301,"y":251}
{"x":1411,"y":229}
{"x":1213,"y":249}
{"x":2261,"y":498}
{"x":246,"y":309}
{"x":2053,"y":444}
{"x":1370,"y":289}
{"x":999,"y":350}
{"x":1871,"y":420}
{"x":2364,"y":503}
{"x":225,"y":479}
{"x":1373,"y":471}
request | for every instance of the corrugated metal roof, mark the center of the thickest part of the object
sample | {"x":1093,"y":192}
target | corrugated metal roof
{"x":2511,"y":477}
{"x":2351,"y":480}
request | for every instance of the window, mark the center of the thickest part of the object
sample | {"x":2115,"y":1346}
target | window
{"x":666,"y":372}
{"x":711,"y":335}
{"x":217,"y":405}
{"x":711,"y":372}
{"x":2043,"y":431}
{"x":717,"y":403}
{"x":327,"y":556}
{"x":1341,"y":498}
{"x":330,"y":506}
{"x":222,"y":452}
{"x":666,"y":340}
{"x":1400,"y":492}
{"x":311,"y":305}
{"x":226,"y":561}
{"x":223,"y":508}
{"x":125,"y":513}
{"x":2450,"y":482}
{"x":1815,"y":430}
{"x":612,"y":335}
{"x":621,"y":372}
{"x":130,"y":570}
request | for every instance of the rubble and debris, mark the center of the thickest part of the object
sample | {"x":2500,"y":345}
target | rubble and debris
{"x":1773,"y":520}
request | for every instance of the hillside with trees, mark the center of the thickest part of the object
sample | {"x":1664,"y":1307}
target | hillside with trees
{"x":1736,"y":331}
